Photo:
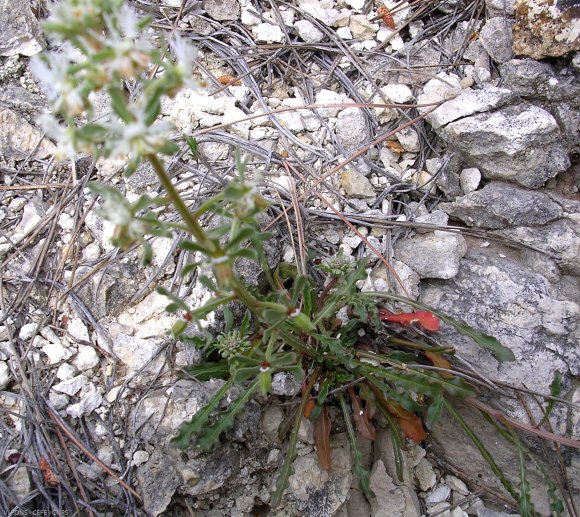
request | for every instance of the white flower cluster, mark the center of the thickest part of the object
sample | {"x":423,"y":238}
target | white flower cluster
{"x":104,"y":44}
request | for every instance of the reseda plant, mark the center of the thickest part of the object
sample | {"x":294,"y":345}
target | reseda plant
{"x":370,"y":354}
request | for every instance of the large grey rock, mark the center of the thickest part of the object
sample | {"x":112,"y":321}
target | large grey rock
{"x":390,"y":499}
{"x":545,"y":29}
{"x":432,"y":255}
{"x":137,"y":353}
{"x":450,"y":442}
{"x":499,"y":295}
{"x":522,"y":144}
{"x":437,"y":217}
{"x":222,"y":10}
{"x":20,"y":32}
{"x":351,"y":129}
{"x":159,"y":472}
{"x":559,"y":93}
{"x":21,"y":100}
{"x":468,"y":103}
{"x":496,"y":37}
{"x":18,"y":139}
{"x":535,"y":79}
{"x":500,"y":205}
{"x":560,"y":238}
{"x":310,"y":484}
{"x":528,"y":78}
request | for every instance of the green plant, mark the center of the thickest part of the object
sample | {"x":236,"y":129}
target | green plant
{"x":338,"y":341}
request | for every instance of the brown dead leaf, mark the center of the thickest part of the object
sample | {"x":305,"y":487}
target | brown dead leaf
{"x":309,"y":407}
{"x":438,"y":360}
{"x":322,"y":438}
{"x":230,"y":80}
{"x":395,"y":146}
{"x":361,"y":417}
{"x":50,"y":478}
{"x":387,"y":17}
{"x":412,"y":428}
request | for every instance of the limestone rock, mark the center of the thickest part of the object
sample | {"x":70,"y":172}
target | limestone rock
{"x":469,"y":179}
{"x":500,"y":7}
{"x":438,"y":217}
{"x":4,"y":375}
{"x":522,"y":144}
{"x":432,"y":255}
{"x":71,"y":386}
{"x":362,"y":28}
{"x":86,"y":358}
{"x":409,"y":140}
{"x":502,"y":297}
{"x":529,"y":78}
{"x":159,"y":472}
{"x":55,"y":352}
{"x":322,"y":10}
{"x":136,"y":352}
{"x":390,"y":499}
{"x":18,"y":138}
{"x":351,"y":129}
{"x":308,"y":31}
{"x":546,"y":29}
{"x":90,"y":399}
{"x":284,"y":383}
{"x":501,"y":205}
{"x":426,"y":477}
{"x":269,"y":33}
{"x":560,"y":238}
{"x":19,"y":99}
{"x":19,"y":483}
{"x":469,"y":103}
{"x":398,"y":93}
{"x":222,"y":10}
{"x":438,"y":495}
{"x":450,"y":442}
{"x":20,"y":32}
{"x":329,"y":97}
{"x":496,"y":37}
{"x":356,"y":185}
{"x":311,"y":484}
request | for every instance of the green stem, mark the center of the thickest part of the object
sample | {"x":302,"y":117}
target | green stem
{"x":191,"y":222}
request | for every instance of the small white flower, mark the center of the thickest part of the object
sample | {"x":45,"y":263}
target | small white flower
{"x":137,"y":139}
{"x":59,"y":83}
{"x":131,"y":47}
{"x":116,"y":213}
{"x":63,"y":136}
{"x":185,"y":55}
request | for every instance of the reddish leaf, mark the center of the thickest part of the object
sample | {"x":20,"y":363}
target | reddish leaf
{"x":50,"y":478}
{"x":387,"y":17}
{"x":412,"y":428}
{"x":438,"y":360}
{"x":410,"y":423}
{"x":309,"y":407}
{"x":229,"y":80}
{"x":426,"y":319}
{"x":361,"y":418}
{"x":322,"y":438}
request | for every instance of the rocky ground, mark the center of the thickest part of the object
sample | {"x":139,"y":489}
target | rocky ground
{"x":466,"y":180}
